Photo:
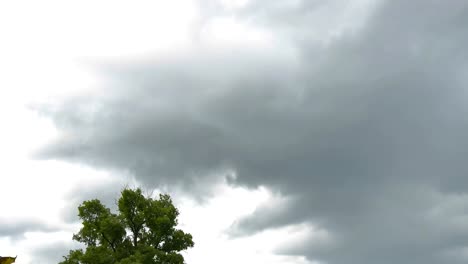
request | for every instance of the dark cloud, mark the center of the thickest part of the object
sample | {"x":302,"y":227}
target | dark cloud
{"x":368,"y":132}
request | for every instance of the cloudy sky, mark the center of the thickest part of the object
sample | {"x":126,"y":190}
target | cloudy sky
{"x":287,"y":131}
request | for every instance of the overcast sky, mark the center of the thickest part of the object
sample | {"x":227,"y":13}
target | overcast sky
{"x":296,"y":132}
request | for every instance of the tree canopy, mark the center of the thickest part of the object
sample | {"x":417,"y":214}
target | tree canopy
{"x":143,"y":231}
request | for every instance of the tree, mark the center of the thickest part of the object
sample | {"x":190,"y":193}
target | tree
{"x":143,"y":231}
{"x":7,"y":260}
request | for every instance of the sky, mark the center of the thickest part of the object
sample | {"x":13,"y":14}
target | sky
{"x":295,"y":132}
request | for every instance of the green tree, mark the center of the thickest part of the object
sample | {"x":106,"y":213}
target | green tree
{"x":142,"y":231}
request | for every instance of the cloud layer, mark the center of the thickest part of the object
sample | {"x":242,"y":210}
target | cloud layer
{"x":361,"y":120}
{"x":17,"y":229}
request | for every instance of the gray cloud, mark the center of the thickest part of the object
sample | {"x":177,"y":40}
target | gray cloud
{"x":16,"y":229}
{"x":368,"y":131}
{"x":53,"y":252}
{"x":107,"y":193}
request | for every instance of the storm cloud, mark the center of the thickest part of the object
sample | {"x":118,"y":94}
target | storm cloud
{"x":365,"y":128}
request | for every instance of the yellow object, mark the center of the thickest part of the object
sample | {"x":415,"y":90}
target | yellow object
{"x":7,"y":260}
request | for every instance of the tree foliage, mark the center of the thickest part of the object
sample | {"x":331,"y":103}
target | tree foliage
{"x":143,"y":231}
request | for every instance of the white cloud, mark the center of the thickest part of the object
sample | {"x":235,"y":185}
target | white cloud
{"x":209,"y":224}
